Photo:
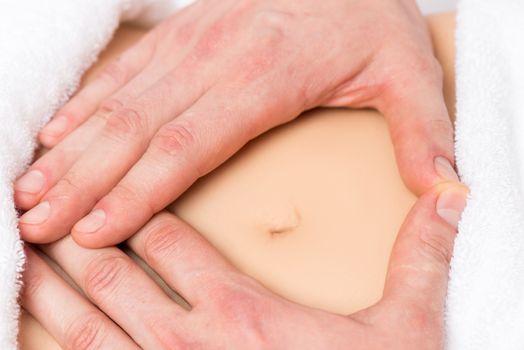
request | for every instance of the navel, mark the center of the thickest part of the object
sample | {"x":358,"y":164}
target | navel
{"x":284,"y":222}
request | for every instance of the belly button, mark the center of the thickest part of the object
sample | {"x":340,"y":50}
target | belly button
{"x":286,"y":222}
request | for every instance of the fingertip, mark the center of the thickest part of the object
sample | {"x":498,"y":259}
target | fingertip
{"x":47,"y":141}
{"x":94,"y":231}
{"x":432,"y":224}
{"x":99,"y":239}
{"x":39,"y":226}
{"x":88,"y":231}
{"x":57,"y":126}
{"x":423,"y":171}
{"x":433,"y":220}
{"x":91,"y":223}
{"x":443,"y":196}
{"x":445,"y":170}
{"x":33,"y":234}
{"x":87,"y":241}
{"x":28,"y":189}
{"x":24,"y":200}
{"x":451,"y":202}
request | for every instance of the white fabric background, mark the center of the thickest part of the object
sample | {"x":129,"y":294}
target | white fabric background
{"x":432,"y":6}
{"x":486,"y":287}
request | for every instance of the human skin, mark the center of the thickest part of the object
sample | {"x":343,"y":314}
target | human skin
{"x":328,"y":292}
{"x":213,"y":77}
{"x":231,"y":310}
{"x":316,"y":199}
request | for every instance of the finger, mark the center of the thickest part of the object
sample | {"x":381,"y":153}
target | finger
{"x":129,"y":74}
{"x":72,"y":321}
{"x":129,"y":130}
{"x":122,"y":142}
{"x":419,"y":264}
{"x":181,"y":256}
{"x":81,"y":106}
{"x":182,"y":151}
{"x":118,"y":286}
{"x":421,"y":128}
{"x":47,"y":170}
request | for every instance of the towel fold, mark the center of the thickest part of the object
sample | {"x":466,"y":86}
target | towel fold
{"x":486,"y":289}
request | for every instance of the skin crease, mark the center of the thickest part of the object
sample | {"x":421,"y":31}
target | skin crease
{"x":307,"y":285}
{"x":176,"y":105}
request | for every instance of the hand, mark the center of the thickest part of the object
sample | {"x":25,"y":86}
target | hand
{"x":229,"y":309}
{"x":214,"y":76}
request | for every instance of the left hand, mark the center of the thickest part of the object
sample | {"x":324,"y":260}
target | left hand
{"x":231,"y":310}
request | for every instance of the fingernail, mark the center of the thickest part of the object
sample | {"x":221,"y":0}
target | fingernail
{"x":56,"y":127}
{"x":37,"y":215}
{"x":445,"y":170}
{"x":32,"y":182}
{"x":451,"y":204}
{"x":91,"y":223}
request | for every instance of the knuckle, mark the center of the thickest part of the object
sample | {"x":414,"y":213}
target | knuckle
{"x":85,"y":333}
{"x":425,"y":65}
{"x":175,"y":139}
{"x":181,"y":31}
{"x":163,"y":239}
{"x":126,"y":124}
{"x":239,"y":303}
{"x":104,"y":274}
{"x":436,"y":246}
{"x":271,"y":18}
{"x":67,"y":189}
{"x":170,"y":337}
{"x":106,"y":108}
{"x":115,"y":72}
{"x":110,"y":105}
{"x":125,"y":193}
{"x":217,"y":36}
{"x":270,"y":29}
{"x":170,"y":340}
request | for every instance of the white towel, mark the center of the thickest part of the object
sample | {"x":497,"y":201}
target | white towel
{"x":435,"y":6}
{"x":45,"y":46}
{"x":486,"y":290}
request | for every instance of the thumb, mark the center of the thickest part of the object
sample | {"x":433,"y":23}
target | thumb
{"x":421,"y":131}
{"x":420,"y":260}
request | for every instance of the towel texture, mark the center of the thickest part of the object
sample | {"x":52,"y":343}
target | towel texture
{"x":485,"y":296}
{"x":45,"y":46}
{"x":434,"y":6}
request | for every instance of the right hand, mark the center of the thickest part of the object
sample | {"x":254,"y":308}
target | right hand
{"x":214,"y":76}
